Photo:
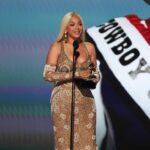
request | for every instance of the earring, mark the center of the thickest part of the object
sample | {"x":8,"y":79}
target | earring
{"x":65,"y":36}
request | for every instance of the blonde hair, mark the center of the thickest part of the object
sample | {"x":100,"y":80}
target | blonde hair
{"x":64,"y":23}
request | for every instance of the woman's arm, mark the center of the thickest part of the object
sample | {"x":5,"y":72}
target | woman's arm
{"x":50,"y":74}
{"x":50,"y":67}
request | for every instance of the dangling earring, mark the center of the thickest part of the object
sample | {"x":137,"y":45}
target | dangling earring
{"x":65,"y":36}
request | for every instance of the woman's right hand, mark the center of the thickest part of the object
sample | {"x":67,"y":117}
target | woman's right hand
{"x":84,"y":74}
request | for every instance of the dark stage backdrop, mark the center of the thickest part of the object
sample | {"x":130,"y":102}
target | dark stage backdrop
{"x":27,"y":28}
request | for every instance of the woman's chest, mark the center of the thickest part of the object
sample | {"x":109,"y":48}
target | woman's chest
{"x":66,"y":65}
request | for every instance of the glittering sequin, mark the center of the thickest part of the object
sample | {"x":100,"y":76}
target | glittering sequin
{"x":84,"y":113}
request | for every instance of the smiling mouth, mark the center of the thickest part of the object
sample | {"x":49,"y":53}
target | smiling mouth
{"x":77,"y":32}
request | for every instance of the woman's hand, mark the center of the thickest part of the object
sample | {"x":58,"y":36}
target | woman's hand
{"x":83,"y":74}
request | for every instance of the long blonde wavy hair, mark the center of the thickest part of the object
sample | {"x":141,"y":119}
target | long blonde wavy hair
{"x":64,"y":23}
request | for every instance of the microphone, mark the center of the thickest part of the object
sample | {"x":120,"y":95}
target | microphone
{"x":75,"y":46}
{"x":75,"y":55}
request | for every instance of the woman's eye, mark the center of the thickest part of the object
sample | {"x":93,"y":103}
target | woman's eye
{"x":71,"y":24}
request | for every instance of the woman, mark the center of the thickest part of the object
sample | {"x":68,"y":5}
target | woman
{"x":59,"y":69}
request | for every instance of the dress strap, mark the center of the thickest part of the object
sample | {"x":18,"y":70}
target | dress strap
{"x":62,"y":49}
{"x":86,"y":49}
{"x":61,"y":53}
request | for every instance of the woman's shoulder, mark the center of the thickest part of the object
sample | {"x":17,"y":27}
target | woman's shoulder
{"x":55,"y":46}
{"x":90,"y":46}
{"x":53,"y":53}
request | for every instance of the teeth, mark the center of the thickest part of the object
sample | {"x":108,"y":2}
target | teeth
{"x":77,"y":32}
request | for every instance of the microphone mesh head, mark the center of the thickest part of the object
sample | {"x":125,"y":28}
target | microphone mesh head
{"x":76,"y":44}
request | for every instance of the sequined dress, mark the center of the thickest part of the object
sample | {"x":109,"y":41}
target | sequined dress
{"x":85,"y":110}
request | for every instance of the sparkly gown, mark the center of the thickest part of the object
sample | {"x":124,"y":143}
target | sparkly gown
{"x":85,"y":111}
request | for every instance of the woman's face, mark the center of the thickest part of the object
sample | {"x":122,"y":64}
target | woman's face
{"x":74,"y":28}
